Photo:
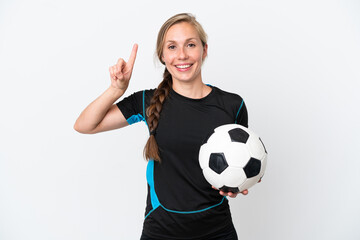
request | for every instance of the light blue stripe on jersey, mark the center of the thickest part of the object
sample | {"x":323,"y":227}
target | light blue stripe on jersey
{"x":239,"y":111}
{"x":196,"y":211}
{"x":144,"y":110}
{"x":138,"y":117}
{"x":135,"y":118}
{"x":150,"y":179}
{"x":150,"y":171}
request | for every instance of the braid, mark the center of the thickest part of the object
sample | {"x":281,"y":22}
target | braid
{"x":151,"y":150}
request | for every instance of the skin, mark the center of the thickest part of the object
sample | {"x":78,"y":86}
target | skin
{"x":120,"y":73}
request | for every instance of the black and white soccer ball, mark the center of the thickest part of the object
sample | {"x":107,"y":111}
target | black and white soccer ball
{"x":233,"y":158}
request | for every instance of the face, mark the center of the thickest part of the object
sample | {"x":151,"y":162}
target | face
{"x":183,"y":52}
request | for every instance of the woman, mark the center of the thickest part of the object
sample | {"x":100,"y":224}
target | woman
{"x":180,"y":113}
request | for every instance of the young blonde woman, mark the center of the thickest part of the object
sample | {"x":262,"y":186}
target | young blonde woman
{"x":179,"y":113}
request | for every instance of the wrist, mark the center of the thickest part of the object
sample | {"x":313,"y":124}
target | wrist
{"x":115,"y":92}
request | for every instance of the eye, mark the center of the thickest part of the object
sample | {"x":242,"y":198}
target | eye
{"x":191,"y":45}
{"x":171,"y":47}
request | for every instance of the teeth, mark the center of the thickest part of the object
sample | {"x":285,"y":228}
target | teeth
{"x":183,"y":66}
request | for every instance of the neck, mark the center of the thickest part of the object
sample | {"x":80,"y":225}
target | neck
{"x":191,"y":89}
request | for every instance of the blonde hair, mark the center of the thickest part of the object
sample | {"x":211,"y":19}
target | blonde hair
{"x":151,"y":150}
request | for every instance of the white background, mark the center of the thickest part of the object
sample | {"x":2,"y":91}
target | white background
{"x":296,"y":64}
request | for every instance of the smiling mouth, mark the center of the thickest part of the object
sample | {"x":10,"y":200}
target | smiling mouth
{"x":184,"y":66}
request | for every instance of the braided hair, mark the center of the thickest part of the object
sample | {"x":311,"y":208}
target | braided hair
{"x":151,"y":149}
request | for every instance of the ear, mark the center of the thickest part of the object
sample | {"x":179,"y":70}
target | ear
{"x":205,"y":51}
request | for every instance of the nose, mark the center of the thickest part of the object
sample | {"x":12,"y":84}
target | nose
{"x":182,"y":54}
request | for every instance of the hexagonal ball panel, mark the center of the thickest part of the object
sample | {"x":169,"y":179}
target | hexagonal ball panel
{"x":233,"y":176}
{"x":217,"y":162}
{"x":237,"y":154}
{"x":238,"y":135}
{"x":255,"y":146}
{"x":252,"y":168}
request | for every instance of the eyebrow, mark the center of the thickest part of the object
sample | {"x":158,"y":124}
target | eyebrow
{"x":173,"y":41}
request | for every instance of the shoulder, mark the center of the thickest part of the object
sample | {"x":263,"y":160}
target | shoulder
{"x":146,"y":96}
{"x":142,"y":94}
{"x":149,"y":92}
{"x":137,"y":99}
{"x":228,"y":97}
{"x":233,"y":103}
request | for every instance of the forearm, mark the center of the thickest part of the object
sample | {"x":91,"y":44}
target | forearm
{"x":95,"y":112}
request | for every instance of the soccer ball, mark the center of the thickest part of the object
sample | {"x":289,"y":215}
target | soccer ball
{"x":233,"y":158}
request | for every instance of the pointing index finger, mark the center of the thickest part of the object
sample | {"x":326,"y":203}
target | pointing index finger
{"x":133,"y":55}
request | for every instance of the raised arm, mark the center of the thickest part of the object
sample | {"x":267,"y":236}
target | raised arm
{"x":102,"y":114}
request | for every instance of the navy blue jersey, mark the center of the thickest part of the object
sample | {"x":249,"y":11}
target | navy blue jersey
{"x":181,"y":204}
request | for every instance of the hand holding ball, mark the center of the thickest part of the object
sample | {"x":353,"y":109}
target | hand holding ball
{"x":233,"y":158}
